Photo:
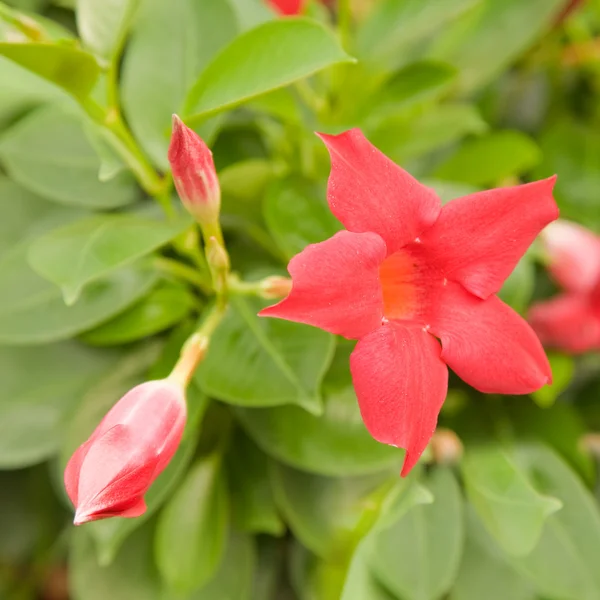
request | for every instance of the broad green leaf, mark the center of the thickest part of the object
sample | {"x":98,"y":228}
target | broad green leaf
{"x":170,"y":45}
{"x":484,"y":571}
{"x":32,"y":310}
{"x":79,"y":253}
{"x":297,"y":214}
{"x":253,"y":505}
{"x":563,"y":369}
{"x":162,"y":308}
{"x":324,"y":512}
{"x":335,"y":443}
{"x":275,"y":362}
{"x":505,"y":499}
{"x":251,"y":13}
{"x":417,"y":558}
{"x":234,"y":577}
{"x":192,"y":528}
{"x":490,"y":159}
{"x":268,"y":57}
{"x":564,"y":563}
{"x":34,"y":410}
{"x":48,"y":153}
{"x":132,"y":575}
{"x":485,"y":49}
{"x":406,"y":136}
{"x":395,"y":27}
{"x":71,"y":69}
{"x":103,"y":25}
{"x":570,"y":149}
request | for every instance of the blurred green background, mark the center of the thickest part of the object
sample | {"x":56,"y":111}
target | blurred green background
{"x":278,"y":492}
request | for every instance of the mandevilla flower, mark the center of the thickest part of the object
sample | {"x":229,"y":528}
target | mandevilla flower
{"x":571,"y":321}
{"x":287,"y":7}
{"x":194,"y":174}
{"x":415,"y":283}
{"x":109,"y":474}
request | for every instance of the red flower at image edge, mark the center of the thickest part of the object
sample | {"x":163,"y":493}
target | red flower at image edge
{"x":287,"y":7}
{"x":570,"y":321}
{"x":408,"y":274}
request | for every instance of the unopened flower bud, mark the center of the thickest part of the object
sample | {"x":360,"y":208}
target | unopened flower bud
{"x":446,"y":447}
{"x":194,"y":174}
{"x":109,"y":474}
{"x":275,"y":287}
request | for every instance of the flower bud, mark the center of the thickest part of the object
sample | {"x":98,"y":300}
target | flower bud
{"x":194,"y":173}
{"x":108,"y":475}
{"x":275,"y":287}
{"x":287,"y":7}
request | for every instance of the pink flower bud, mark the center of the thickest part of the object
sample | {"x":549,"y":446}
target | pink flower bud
{"x":194,"y":173}
{"x":109,"y":474}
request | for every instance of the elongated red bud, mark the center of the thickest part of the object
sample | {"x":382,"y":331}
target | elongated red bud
{"x":109,"y":474}
{"x":194,"y":173}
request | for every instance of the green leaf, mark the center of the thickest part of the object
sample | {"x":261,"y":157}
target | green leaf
{"x":484,"y":571}
{"x":191,"y":530}
{"x":324,"y":512}
{"x":483,"y":50}
{"x":563,"y":369}
{"x":253,"y":505}
{"x":71,"y":69}
{"x":417,"y":558}
{"x":43,"y":316}
{"x":563,"y":564}
{"x":103,"y":25}
{"x":406,"y":136}
{"x":162,"y":308}
{"x":170,"y":45}
{"x":268,"y":57}
{"x":33,"y":411}
{"x":297,"y":215}
{"x":251,"y":13}
{"x":276,"y":362}
{"x":48,"y":153}
{"x":395,"y":27}
{"x":504,"y":498}
{"x":518,"y":289}
{"x":79,"y":253}
{"x":339,"y":442}
{"x":491,"y":158}
{"x":132,"y":575}
{"x":234,"y":577}
{"x":268,"y":568}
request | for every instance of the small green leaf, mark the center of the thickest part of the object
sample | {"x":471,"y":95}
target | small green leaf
{"x":253,"y":505}
{"x":81,"y":252}
{"x":48,"y":153}
{"x":491,"y":158}
{"x":339,"y":442}
{"x":275,"y":362}
{"x":33,"y":411}
{"x":162,"y":308}
{"x":171,"y":43}
{"x":71,"y":69}
{"x":103,"y":25}
{"x":268,"y":57}
{"x":504,"y":498}
{"x":297,"y":215}
{"x":324,"y":512}
{"x":417,"y":558}
{"x":191,"y":530}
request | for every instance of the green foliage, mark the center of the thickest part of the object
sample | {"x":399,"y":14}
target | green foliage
{"x":277,"y":491}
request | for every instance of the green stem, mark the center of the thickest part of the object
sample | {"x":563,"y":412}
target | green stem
{"x":344,"y":11}
{"x":178,"y":270}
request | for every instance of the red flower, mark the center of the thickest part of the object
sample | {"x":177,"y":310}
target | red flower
{"x":408,"y":274}
{"x":287,"y":7}
{"x":109,"y":474}
{"x":194,"y":173}
{"x":571,"y":321}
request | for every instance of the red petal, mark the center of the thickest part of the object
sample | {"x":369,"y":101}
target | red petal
{"x":287,"y":7}
{"x":336,"y":285}
{"x":369,"y":192}
{"x":567,"y":322}
{"x":71,"y":476}
{"x":574,"y":254}
{"x":479,"y":238}
{"x":401,"y":384}
{"x":487,"y":343}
